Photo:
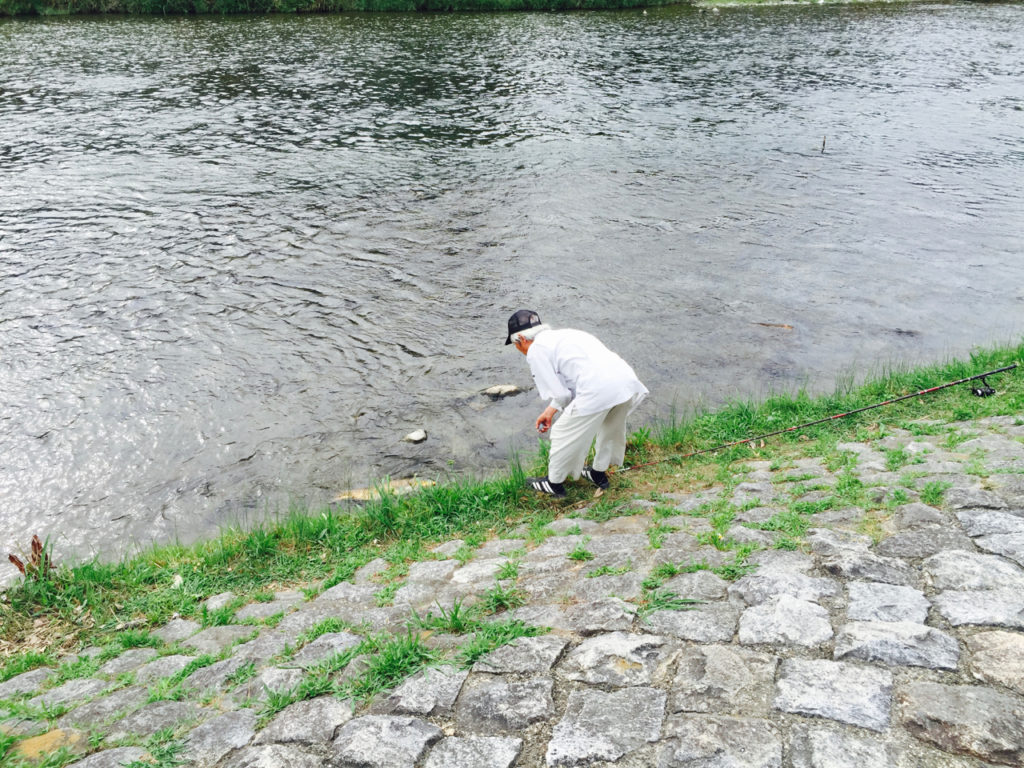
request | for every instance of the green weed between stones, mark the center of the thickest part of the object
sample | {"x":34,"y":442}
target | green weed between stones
{"x":71,"y":605}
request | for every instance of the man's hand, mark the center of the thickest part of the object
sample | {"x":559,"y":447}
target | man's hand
{"x":544,"y":420}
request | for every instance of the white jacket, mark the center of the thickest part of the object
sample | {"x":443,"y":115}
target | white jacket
{"x":579,"y":374}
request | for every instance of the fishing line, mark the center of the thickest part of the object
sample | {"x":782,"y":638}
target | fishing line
{"x":983,"y":391}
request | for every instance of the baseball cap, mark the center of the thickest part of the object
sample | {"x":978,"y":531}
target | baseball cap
{"x":520,"y":321}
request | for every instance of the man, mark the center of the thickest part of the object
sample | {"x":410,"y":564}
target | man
{"x":595,"y":390}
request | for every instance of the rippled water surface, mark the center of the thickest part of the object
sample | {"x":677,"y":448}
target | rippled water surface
{"x":240,"y":258}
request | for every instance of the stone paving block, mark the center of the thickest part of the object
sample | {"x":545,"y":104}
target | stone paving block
{"x":206,"y":744}
{"x":100,"y":711}
{"x":479,"y":572}
{"x":523,"y":656}
{"x":26,"y":682}
{"x":919,"y":544}
{"x":972,"y":498}
{"x":272,"y":679}
{"x":216,"y":602}
{"x":71,"y":693}
{"x":449,"y":549}
{"x":432,"y":571}
{"x":866,"y":566}
{"x":990,"y":607}
{"x":492,"y":706}
{"x":366,"y":574}
{"x":496,"y":547}
{"x":607,"y":614}
{"x":176,"y":630}
{"x":705,"y":741}
{"x":1009,"y":545}
{"x":624,"y":585}
{"x":741,"y":534}
{"x":541,"y":615}
{"x":155,"y":717}
{"x":324,"y":647}
{"x":723,"y":679}
{"x":620,"y":659}
{"x":785,"y":620}
{"x":850,"y":693}
{"x":699,"y":585}
{"x":557,"y":546}
{"x":214,"y":640}
{"x":111,"y":758}
{"x":872,"y":601}
{"x":383,"y":741}
{"x":760,"y":587}
{"x":896,"y":644}
{"x":311,"y":721}
{"x":998,"y":657}
{"x":165,"y":666}
{"x":962,"y":719}
{"x":822,"y":747}
{"x":988,"y":522}
{"x":961,"y":570}
{"x":265,"y":647}
{"x":920,"y":517}
{"x":263,"y":611}
{"x":619,"y":542}
{"x":127,"y":662}
{"x":707,"y":623}
{"x":346,"y":592}
{"x":212,"y":677}
{"x":781,"y":560}
{"x":763,"y":493}
{"x":274,"y":756}
{"x":605,"y":726}
{"x":474,"y":752}
{"x":430,"y":692}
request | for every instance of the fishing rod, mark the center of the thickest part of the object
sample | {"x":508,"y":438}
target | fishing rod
{"x":983,"y":391}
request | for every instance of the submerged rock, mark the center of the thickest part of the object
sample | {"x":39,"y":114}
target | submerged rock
{"x":417,"y":436}
{"x":501,"y":390}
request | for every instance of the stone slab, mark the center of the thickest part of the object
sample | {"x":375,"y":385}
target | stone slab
{"x":214,"y":640}
{"x":849,"y":693}
{"x":998,"y":657}
{"x":706,"y":741}
{"x":491,"y":705}
{"x":785,"y":620}
{"x":155,"y":717}
{"x":206,"y":744}
{"x":430,"y":692}
{"x":383,"y":741}
{"x":111,"y":758}
{"x":969,"y":570}
{"x":823,"y":747}
{"x":873,"y":601}
{"x":311,"y":721}
{"x":708,"y":623}
{"x":475,"y":752}
{"x":523,"y":656}
{"x":605,"y":726}
{"x":990,"y":607}
{"x":128,"y":661}
{"x":723,"y":679}
{"x":619,"y":659}
{"x":897,"y":644}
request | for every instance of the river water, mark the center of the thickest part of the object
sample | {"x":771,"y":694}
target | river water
{"x":240,"y":258}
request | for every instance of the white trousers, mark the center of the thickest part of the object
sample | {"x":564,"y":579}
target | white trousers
{"x":572,"y":435}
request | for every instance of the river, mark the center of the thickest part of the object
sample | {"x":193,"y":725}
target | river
{"x":241,"y":258}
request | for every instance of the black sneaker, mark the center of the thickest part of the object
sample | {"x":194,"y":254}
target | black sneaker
{"x":544,"y":485}
{"x":597,"y":477}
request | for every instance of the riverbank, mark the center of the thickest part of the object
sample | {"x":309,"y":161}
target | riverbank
{"x":785,"y":546}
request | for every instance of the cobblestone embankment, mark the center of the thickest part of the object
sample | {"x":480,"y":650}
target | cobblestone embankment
{"x":904,"y":648}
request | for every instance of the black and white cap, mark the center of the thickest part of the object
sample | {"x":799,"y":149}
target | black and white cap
{"x":520,"y":321}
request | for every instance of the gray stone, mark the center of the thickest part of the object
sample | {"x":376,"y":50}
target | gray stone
{"x":709,"y":623}
{"x":760,"y":587}
{"x":605,"y":726}
{"x":325,"y":647}
{"x":430,"y":692}
{"x":475,"y":752}
{"x":490,"y":705}
{"x":263,"y":611}
{"x":998,"y":657}
{"x":972,"y":571}
{"x":383,"y":741}
{"x":897,"y":643}
{"x":265,"y":647}
{"x":311,"y":721}
{"x":849,"y":693}
{"x":920,"y":517}
{"x":968,"y":720}
{"x":346,"y":592}
{"x":1010,"y":546}
{"x":206,"y":744}
{"x":155,"y":717}
{"x":273,"y":756}
{"x":723,"y":679}
{"x":987,"y":522}
{"x":741,"y":534}
{"x":870,"y":567}
{"x":216,"y":602}
{"x":213,"y":677}
{"x":871,"y":601}
{"x":523,"y":656}
{"x":696,"y":741}
{"x":449,"y":549}
{"x":785,"y":620}
{"x":826,"y":542}
{"x":99,"y":711}
{"x":571,"y":526}
{"x":762,"y":493}
{"x":176,"y":630}
{"x":366,"y":574}
{"x":699,"y":585}
{"x":756,"y":515}
{"x":111,"y":758}
{"x":620,"y":659}
{"x":918,"y":544}
{"x":26,"y":682}
{"x":270,"y":680}
{"x":609,"y":543}
{"x":964,"y":498}
{"x":992,"y":607}
{"x":496,"y":547}
{"x":541,"y":616}
{"x":165,"y":666}
{"x":214,"y":640}
{"x":820,"y":747}
{"x":607,"y":614}
{"x":432,"y":570}
{"x":479,"y":572}
{"x":780,"y":560}
{"x":624,"y":585}
{"x":129,"y":660}
{"x":72,"y":693}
